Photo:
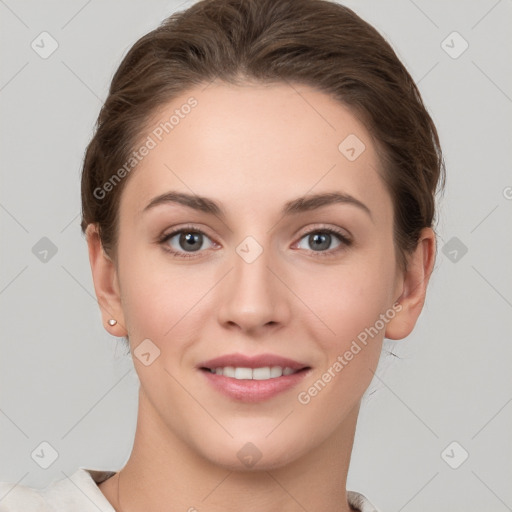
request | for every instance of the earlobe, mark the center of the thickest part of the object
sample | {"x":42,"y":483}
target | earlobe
{"x":415,"y":282}
{"x":106,"y":286}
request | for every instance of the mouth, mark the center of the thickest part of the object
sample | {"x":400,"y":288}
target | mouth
{"x":260,"y":373}
{"x":253,"y":379}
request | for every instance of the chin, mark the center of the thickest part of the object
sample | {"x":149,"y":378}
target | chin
{"x":246,"y":454}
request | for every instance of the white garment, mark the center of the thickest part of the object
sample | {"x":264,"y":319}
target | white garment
{"x":80,"y":493}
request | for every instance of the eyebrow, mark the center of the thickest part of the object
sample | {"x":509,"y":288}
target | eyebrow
{"x":299,"y":205}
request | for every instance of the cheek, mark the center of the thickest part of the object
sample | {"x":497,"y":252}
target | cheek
{"x":161,"y":299}
{"x":349,"y":298}
{"x":350,"y":305}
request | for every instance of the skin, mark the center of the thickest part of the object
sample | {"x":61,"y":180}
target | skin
{"x":251,"y":149}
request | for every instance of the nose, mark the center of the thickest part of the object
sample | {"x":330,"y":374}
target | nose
{"x":252,"y":299}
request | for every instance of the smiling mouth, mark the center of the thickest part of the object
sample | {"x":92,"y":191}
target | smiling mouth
{"x":261,"y":373}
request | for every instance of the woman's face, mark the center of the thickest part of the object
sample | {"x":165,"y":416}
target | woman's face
{"x":248,"y":269}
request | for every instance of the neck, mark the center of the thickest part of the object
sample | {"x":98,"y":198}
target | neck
{"x":163,"y":473}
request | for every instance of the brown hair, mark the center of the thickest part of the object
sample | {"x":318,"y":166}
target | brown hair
{"x":314,"y":42}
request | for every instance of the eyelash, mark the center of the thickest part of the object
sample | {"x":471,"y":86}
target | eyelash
{"x":343,"y":239}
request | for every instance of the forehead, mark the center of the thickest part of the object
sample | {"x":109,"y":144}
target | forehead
{"x":255,"y":145}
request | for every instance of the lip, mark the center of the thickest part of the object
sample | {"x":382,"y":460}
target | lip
{"x":246,"y":390}
{"x":243,"y":361}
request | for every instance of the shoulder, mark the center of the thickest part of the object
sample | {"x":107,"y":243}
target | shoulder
{"x":78,"y":492}
{"x":18,"y":498}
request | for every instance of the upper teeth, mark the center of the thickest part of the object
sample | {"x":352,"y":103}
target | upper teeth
{"x":264,"y":373}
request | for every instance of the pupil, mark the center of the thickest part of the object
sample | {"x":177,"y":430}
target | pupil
{"x":190,"y":239}
{"x":320,"y":241}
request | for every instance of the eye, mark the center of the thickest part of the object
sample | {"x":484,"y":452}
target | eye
{"x":325,"y":241}
{"x":183,"y":243}
{"x":189,"y":242}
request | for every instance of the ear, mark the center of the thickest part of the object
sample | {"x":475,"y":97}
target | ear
{"x":106,"y":283}
{"x":414,"y":283}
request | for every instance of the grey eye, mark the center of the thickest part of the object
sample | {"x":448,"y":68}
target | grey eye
{"x":187,"y":240}
{"x":320,"y":241}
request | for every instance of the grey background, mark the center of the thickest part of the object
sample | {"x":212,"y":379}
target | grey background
{"x":66,"y":381}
